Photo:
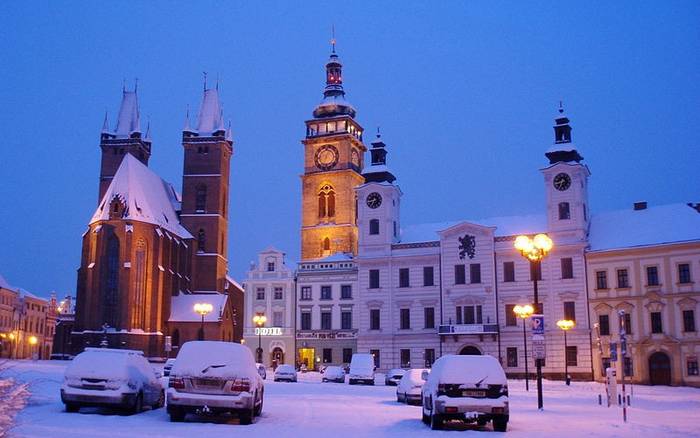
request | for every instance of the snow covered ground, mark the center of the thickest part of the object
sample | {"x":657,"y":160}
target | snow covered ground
{"x":313,"y":409}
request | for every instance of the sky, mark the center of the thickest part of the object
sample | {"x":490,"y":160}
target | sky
{"x":465,"y":94}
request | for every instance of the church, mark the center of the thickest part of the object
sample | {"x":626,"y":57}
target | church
{"x":149,"y":253}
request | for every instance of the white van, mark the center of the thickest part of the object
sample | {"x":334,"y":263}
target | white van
{"x":362,"y":369}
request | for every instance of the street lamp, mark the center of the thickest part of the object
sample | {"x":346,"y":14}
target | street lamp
{"x":32,"y":341}
{"x":259,"y":320}
{"x":566,"y":325}
{"x":535,"y":250}
{"x":203,"y":309}
{"x":524,"y":312}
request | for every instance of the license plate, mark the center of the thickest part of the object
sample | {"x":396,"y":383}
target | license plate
{"x":209,"y":383}
{"x":473,"y":393}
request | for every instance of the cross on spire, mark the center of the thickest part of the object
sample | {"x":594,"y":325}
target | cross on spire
{"x":333,"y":38}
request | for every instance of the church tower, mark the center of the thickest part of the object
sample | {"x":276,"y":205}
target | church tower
{"x":333,"y":162}
{"x":205,"y":188}
{"x":125,"y":139}
{"x":566,"y":184}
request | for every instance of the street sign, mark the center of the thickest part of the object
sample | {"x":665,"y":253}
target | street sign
{"x":613,"y":352}
{"x":537,"y":324}
{"x":539,"y":351}
{"x":168,"y":344}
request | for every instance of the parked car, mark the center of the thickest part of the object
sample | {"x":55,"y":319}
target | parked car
{"x":212,"y":377}
{"x":393,"y":376}
{"x":261,"y":370}
{"x":111,"y":378}
{"x":334,"y":374}
{"x":467,"y":388}
{"x":362,"y":369}
{"x":409,"y":388}
{"x":168,"y":366}
{"x":285,"y":372}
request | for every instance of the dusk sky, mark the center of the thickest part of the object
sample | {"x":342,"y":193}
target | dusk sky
{"x":465,"y":94}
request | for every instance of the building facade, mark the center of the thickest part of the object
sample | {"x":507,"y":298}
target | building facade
{"x":270,"y":292}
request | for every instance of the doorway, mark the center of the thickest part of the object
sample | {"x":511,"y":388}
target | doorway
{"x":470,"y":350}
{"x":277,"y":356}
{"x":659,"y":369}
{"x":306,"y":357}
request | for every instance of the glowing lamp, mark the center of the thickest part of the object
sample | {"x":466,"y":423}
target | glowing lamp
{"x":566,"y":324}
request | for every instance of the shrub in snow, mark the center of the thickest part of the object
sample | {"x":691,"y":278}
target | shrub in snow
{"x":13,"y":397}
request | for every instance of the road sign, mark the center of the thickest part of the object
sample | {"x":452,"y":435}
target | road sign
{"x":613,"y":352}
{"x":539,"y":351}
{"x":537,"y":324}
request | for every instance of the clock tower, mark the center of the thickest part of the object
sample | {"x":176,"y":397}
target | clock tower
{"x":333,"y":162}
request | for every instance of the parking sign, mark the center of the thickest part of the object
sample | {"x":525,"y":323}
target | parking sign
{"x":537,"y":324}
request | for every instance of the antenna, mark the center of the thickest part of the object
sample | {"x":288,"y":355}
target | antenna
{"x":561,"y":107}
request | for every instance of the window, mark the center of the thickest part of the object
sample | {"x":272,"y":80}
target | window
{"x":572,"y":355}
{"x":326,"y":202}
{"x":277,"y":319}
{"x":403,"y":277}
{"x":512,"y":357}
{"x":306,"y":320}
{"x":374,"y":319}
{"x":606,"y":365}
{"x":346,"y":292}
{"x":622,"y":278}
{"x":601,"y":280}
{"x":270,"y":266}
{"x":535,"y":271}
{"x":306,"y":293}
{"x":511,"y":317}
{"x":395,"y":230}
{"x":374,"y":226}
{"x":684,"y":273}
{"x":460,"y":274}
{"x":405,"y":358}
{"x":652,"y":276}
{"x":429,"y":355}
{"x":278,"y":293}
{"x":326,"y":320}
{"x":201,"y":240}
{"x":604,"y":325}
{"x":260,"y":293}
{"x":469,"y":314}
{"x":346,"y":320}
{"x":567,"y":268}
{"x":200,"y":198}
{"x":656,"y":326}
{"x":428,"y":276}
{"x":692,"y":366}
{"x":375,"y":355}
{"x":405,"y":319}
{"x":347,"y":355}
{"x":326,"y":293}
{"x":326,"y":245}
{"x":429,"y":317}
{"x":327,"y":355}
{"x":374,"y":278}
{"x":628,"y":323}
{"x":475,"y":273}
{"x":688,"y":321}
{"x":627,"y":366}
{"x":508,"y":272}
{"x":570,"y":310}
{"x":564,"y":212}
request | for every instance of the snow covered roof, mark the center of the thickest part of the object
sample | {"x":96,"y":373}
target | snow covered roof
{"x":146,"y":196}
{"x":234,"y":282}
{"x":672,"y":223}
{"x":23,"y":293}
{"x":128,"y":121}
{"x":4,"y":284}
{"x":182,"y":307}
{"x":211,"y":117}
{"x":505,"y":226}
{"x":561,"y":147}
{"x":376,"y":168}
{"x":337,"y":257}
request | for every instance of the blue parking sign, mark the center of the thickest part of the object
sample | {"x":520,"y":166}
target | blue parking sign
{"x":537,"y":324}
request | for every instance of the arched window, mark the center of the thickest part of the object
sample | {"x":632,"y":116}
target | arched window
{"x":326,"y":201}
{"x":321,"y":205}
{"x":138,"y":319}
{"x":564,"y":212}
{"x":201,"y":198}
{"x":330,"y":200}
{"x":374,"y":226}
{"x":326,"y":244}
{"x":111,"y":289}
{"x":201,"y":240}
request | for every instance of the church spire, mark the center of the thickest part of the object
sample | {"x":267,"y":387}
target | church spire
{"x":105,"y":124}
{"x":210,"y":120}
{"x":378,"y":171}
{"x":563,"y":150}
{"x":334,"y":102}
{"x":128,"y":121}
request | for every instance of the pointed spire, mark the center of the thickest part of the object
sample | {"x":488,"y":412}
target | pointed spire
{"x":205,"y":81}
{"x":334,"y":102}
{"x":128,"y":120}
{"x":563,"y":150}
{"x":229,"y":132}
{"x":187,"y":127}
{"x":148,"y":129}
{"x":333,"y":38}
{"x":105,"y":124}
{"x":210,"y":119}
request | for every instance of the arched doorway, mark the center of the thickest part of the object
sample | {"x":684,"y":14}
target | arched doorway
{"x":277,"y":356}
{"x":659,"y":369}
{"x":470,"y":350}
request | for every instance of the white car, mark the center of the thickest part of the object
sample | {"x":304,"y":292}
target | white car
{"x":409,"y":388}
{"x":285,"y":372}
{"x":393,"y":376}
{"x":362,"y":369}
{"x":467,"y":388}
{"x":334,"y":374}
{"x":111,"y":378}
{"x":211,"y":377}
{"x":168,"y":366}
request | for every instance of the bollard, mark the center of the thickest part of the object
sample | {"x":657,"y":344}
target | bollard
{"x":619,"y":399}
{"x":628,"y":401}
{"x":600,"y":399}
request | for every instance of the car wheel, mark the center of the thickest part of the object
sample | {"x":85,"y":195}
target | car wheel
{"x":500,"y":423}
{"x":425,"y":418}
{"x":161,"y":400}
{"x":246,"y":417}
{"x":138,"y":404}
{"x":398,"y":398}
{"x":351,"y":382}
{"x":259,"y":408}
{"x":72,"y":407}
{"x":436,"y":421}
{"x":176,"y":415}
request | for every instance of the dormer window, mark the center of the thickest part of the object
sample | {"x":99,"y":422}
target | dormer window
{"x":116,"y":208}
{"x":270,"y":266}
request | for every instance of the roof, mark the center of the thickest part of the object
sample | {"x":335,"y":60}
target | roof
{"x":664,"y":224}
{"x":210,"y":113}
{"x":337,"y":257}
{"x":4,"y":284}
{"x":505,"y":226}
{"x":128,"y":121}
{"x":147,"y":197}
{"x":234,"y":283}
{"x":182,"y":307}
{"x":562,"y":147}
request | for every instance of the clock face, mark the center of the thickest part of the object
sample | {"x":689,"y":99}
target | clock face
{"x":326,"y":157}
{"x":562,"y":182}
{"x":355,"y":158}
{"x":374,"y":200}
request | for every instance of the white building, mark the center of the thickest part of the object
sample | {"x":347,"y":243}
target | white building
{"x":269,"y":292}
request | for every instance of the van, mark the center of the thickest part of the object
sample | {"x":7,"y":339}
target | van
{"x":362,"y":369}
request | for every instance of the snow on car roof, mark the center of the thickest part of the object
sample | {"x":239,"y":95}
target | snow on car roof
{"x":214,"y":359}
{"x":103,"y":363}
{"x":458,"y":369}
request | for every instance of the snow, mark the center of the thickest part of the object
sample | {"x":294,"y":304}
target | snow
{"x":312,"y":409}
{"x":4,"y":284}
{"x":334,"y":372}
{"x":505,"y":226}
{"x":101,"y":364}
{"x":214,"y":359}
{"x":337,"y":257}
{"x":147,"y":197}
{"x":376,"y":168}
{"x":561,"y":147}
{"x":412,"y":378}
{"x":182,"y":307}
{"x":210,"y":114}
{"x":128,"y":120}
{"x":467,"y":370}
{"x":361,"y":365}
{"x":672,"y":223}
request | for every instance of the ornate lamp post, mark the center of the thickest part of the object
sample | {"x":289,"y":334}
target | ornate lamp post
{"x":259,"y":321}
{"x":566,"y":325}
{"x":524,"y":312}
{"x":203,"y":309}
{"x":535,"y":250}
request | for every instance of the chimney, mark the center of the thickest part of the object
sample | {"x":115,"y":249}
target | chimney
{"x":642,"y":205}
